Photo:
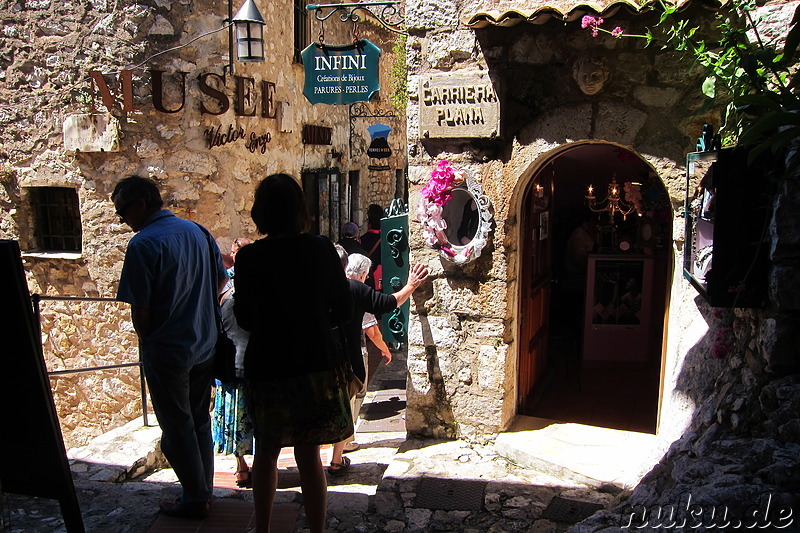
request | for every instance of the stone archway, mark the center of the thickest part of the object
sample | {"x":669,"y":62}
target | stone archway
{"x":591,"y":330}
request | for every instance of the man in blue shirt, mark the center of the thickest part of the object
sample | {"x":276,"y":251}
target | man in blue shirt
{"x":172,"y":276}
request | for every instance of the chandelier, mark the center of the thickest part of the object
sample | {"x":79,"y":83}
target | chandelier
{"x":614,"y":202}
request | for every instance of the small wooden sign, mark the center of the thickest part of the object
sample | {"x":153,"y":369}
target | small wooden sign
{"x":461,"y":104}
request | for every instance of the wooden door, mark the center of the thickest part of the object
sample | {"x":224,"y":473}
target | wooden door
{"x":535,"y":281}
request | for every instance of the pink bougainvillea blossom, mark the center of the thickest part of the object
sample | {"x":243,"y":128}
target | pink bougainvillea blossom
{"x":438,"y":189}
{"x":593,"y":23}
{"x":436,"y":194}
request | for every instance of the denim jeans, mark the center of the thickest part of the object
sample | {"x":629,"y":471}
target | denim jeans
{"x":181,"y":398}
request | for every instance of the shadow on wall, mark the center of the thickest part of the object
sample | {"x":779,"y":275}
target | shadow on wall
{"x":435,"y":409}
{"x":700,"y":368}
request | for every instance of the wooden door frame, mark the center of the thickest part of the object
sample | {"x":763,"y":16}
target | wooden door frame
{"x":525,"y":183}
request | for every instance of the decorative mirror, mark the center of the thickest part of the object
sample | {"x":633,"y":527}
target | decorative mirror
{"x":455,"y":214}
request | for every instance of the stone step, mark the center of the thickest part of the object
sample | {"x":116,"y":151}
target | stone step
{"x":593,"y":456}
{"x":122,"y":453}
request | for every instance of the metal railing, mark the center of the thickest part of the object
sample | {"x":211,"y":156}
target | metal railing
{"x":37,"y":298}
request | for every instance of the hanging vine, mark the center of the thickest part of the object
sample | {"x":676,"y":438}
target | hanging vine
{"x":399,"y":73}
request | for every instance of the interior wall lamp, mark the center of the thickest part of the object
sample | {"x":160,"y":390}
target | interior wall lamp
{"x":248,"y":26}
{"x":614,"y":202}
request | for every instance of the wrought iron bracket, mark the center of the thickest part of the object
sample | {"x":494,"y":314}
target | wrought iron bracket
{"x":362,"y":110}
{"x":386,"y":13}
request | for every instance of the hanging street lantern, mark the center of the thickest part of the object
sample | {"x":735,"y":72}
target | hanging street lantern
{"x":249,"y":33}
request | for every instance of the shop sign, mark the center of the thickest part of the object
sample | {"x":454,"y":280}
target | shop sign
{"x":216,"y":136}
{"x":341,"y":74}
{"x":379,"y":146}
{"x":251,"y":98}
{"x":460,"y":104}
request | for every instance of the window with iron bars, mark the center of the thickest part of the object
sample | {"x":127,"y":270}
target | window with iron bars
{"x":302,"y":29}
{"x":56,"y":219}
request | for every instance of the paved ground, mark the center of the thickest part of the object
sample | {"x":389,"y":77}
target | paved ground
{"x":394,"y":484}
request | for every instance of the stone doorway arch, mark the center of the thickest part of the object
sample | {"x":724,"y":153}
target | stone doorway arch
{"x":591,"y":341}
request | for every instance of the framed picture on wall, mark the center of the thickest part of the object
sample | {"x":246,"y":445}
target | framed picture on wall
{"x":617,"y":292}
{"x":618,"y":307}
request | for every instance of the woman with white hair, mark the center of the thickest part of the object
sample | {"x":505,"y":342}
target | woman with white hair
{"x":367,"y":300}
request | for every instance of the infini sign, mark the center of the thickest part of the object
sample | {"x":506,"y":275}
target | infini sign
{"x":461,"y":104}
{"x":341,"y":74}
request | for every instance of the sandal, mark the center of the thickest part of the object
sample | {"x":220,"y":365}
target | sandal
{"x":246,"y":482}
{"x":339,"y":468}
{"x":351,"y":447}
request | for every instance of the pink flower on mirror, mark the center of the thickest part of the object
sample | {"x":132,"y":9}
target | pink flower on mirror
{"x":447,"y":250}
{"x":438,"y":188}
{"x":436,"y":194}
{"x":430,"y":215}
{"x":429,"y":234}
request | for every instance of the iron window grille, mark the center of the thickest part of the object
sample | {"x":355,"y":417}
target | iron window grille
{"x":56,"y":219}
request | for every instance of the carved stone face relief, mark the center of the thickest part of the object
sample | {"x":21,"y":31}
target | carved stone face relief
{"x":591,"y":73}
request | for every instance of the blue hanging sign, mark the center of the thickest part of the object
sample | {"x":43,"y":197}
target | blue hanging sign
{"x":379,"y":147}
{"x":341,"y":74}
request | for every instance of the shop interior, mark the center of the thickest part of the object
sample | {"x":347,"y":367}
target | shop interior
{"x":605,"y":230}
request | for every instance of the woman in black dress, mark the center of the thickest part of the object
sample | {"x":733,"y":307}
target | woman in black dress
{"x":292,"y":295}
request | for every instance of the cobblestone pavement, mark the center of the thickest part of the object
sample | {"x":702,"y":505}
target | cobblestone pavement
{"x":395,"y":484}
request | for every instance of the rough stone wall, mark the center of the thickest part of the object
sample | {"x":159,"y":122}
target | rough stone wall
{"x":651,"y":104}
{"x":48,"y":49}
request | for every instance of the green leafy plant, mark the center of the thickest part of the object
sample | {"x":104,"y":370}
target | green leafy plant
{"x":756,"y":83}
{"x":399,"y":96}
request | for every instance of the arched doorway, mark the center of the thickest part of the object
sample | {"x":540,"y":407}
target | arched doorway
{"x":593,"y":289}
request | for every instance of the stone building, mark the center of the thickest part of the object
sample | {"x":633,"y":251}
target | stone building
{"x":94,"y":92}
{"x":539,"y":116}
